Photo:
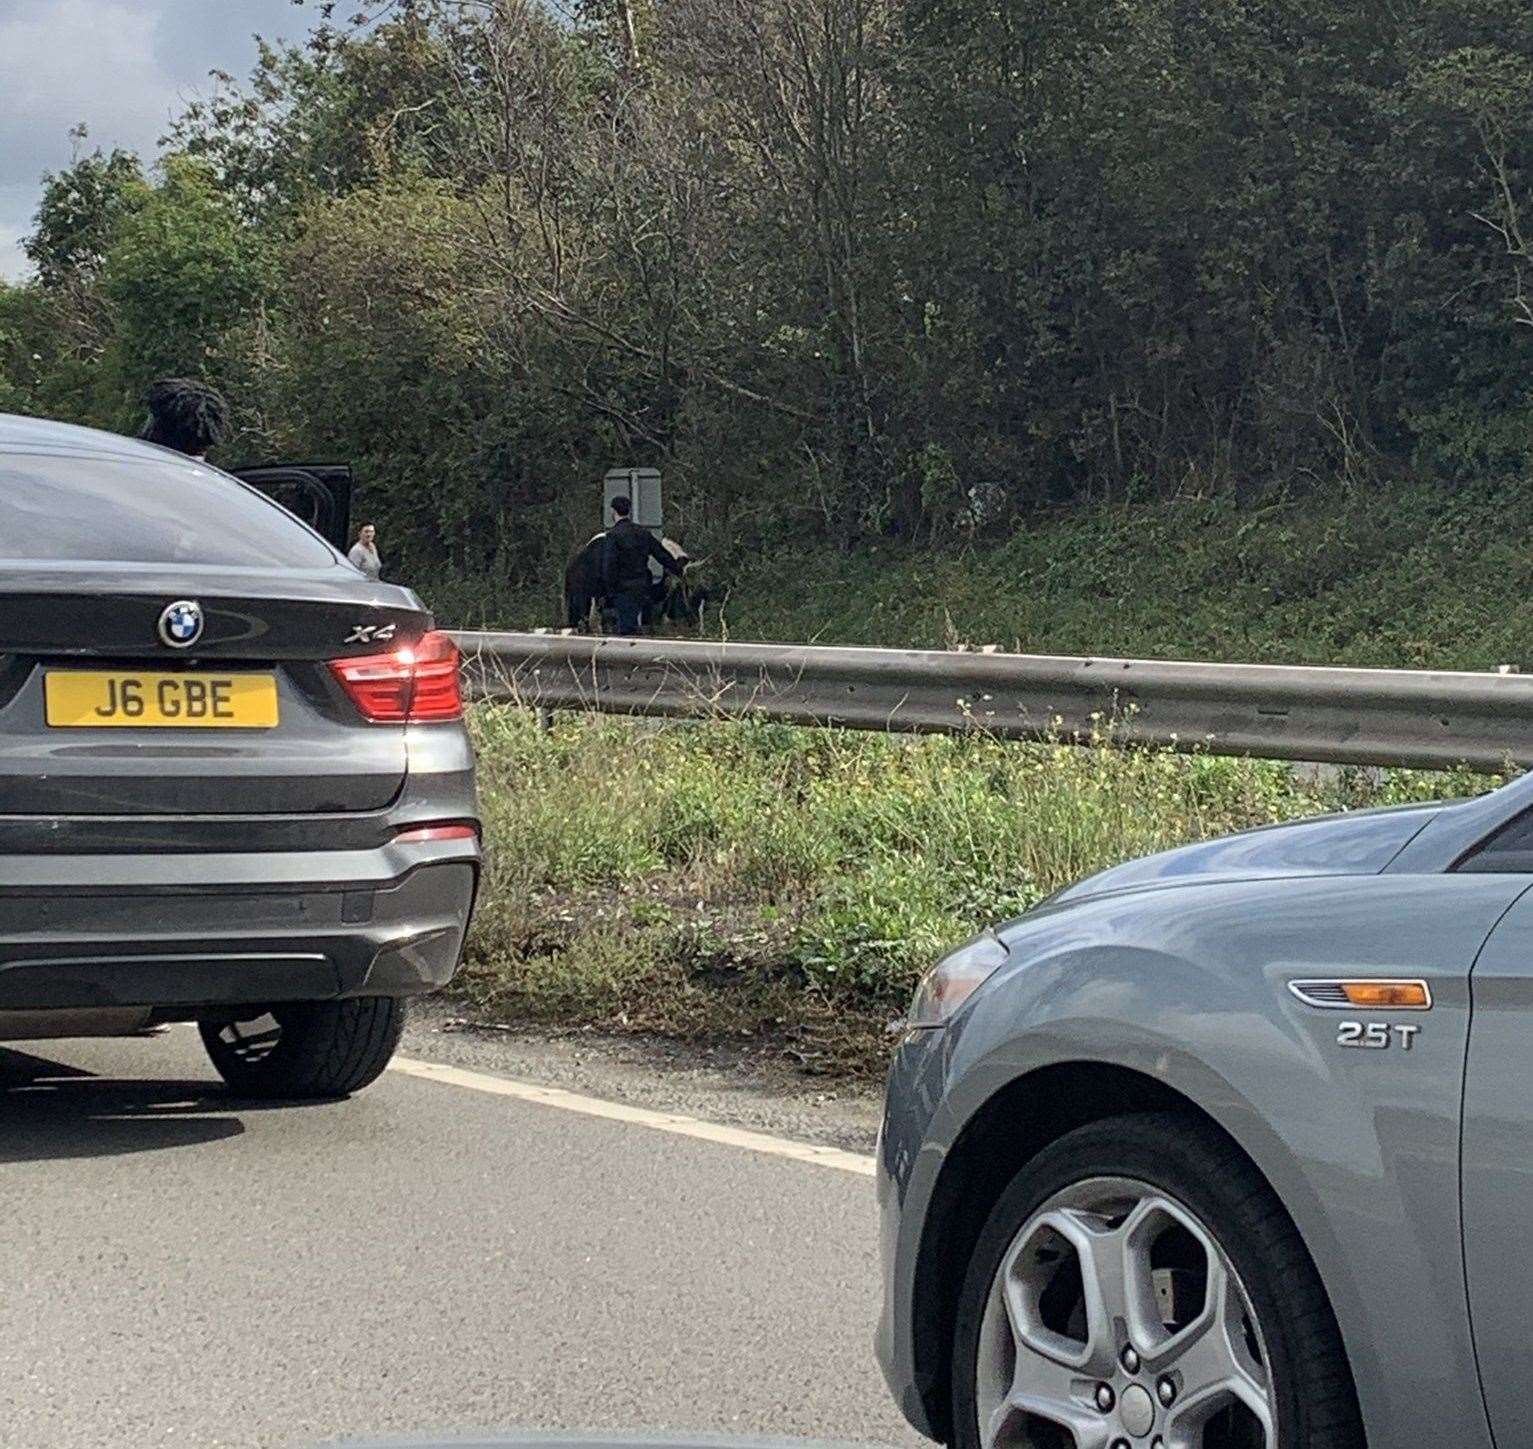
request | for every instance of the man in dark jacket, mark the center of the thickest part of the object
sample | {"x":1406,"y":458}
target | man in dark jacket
{"x":626,"y":552}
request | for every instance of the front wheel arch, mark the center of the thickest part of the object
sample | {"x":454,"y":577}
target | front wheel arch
{"x":1023,"y":1118}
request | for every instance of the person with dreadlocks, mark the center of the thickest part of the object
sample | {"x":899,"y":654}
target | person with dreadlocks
{"x":186,"y":415}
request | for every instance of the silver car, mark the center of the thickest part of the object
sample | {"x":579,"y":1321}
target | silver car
{"x":235,"y":784}
{"x":1229,"y":1148}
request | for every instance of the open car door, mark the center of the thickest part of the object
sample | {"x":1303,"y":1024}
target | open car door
{"x":318,"y":493}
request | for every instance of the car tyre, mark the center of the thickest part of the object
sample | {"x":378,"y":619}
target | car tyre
{"x":307,"y":1049}
{"x":1198,"y":1168}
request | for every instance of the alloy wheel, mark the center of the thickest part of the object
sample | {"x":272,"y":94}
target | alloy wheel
{"x":1117,"y":1321}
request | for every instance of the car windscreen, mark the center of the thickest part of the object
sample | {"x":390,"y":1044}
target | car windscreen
{"x":113,"y":509}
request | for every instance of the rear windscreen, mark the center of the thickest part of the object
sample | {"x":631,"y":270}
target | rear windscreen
{"x":150,"y":511}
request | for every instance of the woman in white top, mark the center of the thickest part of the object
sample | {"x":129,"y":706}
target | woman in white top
{"x":364,"y":552}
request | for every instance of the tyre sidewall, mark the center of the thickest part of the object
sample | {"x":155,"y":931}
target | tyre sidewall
{"x":304,"y":1062}
{"x":1200,"y":1180}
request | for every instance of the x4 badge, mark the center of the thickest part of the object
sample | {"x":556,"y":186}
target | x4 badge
{"x":371,"y":634}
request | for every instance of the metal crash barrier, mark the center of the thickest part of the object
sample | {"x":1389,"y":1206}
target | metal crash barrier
{"x":1418,"y":718}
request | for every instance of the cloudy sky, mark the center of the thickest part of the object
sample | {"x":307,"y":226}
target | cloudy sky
{"x":122,"y":67}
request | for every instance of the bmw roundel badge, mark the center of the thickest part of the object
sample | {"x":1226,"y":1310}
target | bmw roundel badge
{"x":181,"y":624}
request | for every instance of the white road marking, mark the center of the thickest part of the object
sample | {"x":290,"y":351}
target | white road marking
{"x":674,"y":1122}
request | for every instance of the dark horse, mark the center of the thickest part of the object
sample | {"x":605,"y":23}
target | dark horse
{"x":669,"y":598}
{"x":583,"y":584}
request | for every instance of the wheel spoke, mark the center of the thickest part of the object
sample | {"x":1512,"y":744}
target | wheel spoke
{"x":1202,"y":1354}
{"x":1140,"y":1311}
{"x":1105,"y":1271}
{"x":1027,"y":1274}
{"x":1185,"y":1423}
{"x":1044,"y":1388}
{"x":1214,"y":1366}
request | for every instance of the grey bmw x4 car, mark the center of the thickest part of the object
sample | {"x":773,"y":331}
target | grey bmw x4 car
{"x":235,"y":786}
{"x":1229,"y":1148}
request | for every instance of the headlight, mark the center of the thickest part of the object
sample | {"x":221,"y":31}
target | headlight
{"x":954,"y":979}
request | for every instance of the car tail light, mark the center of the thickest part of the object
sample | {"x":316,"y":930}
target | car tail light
{"x":417,"y":684}
{"x":420,"y":834}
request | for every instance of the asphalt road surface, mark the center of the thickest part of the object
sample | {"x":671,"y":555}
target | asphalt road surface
{"x":184,"y":1269}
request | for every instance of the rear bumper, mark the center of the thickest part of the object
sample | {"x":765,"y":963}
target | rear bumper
{"x":194,"y":934}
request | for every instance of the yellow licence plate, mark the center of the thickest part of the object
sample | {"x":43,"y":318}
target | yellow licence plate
{"x":81,"y":699}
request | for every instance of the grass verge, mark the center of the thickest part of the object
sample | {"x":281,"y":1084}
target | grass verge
{"x":789,"y":886}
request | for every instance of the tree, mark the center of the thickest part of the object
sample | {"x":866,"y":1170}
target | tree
{"x":844,"y":268}
{"x":382,"y":359}
{"x":78,"y":216}
{"x":182,"y":274}
{"x":797,"y":87}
